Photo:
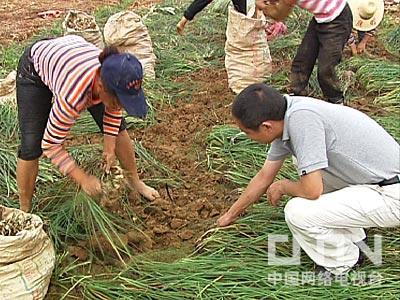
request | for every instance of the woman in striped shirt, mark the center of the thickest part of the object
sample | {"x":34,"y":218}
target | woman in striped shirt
{"x":77,"y":76}
{"x":325,"y":38}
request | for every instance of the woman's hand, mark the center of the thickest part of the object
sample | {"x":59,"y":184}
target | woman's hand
{"x":276,"y":9}
{"x":181,"y":25}
{"x":109,"y":160}
{"x":109,"y":152}
{"x":263,"y":4}
{"x":91,"y":186}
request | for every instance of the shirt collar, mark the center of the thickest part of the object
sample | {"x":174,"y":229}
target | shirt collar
{"x":289,"y":103}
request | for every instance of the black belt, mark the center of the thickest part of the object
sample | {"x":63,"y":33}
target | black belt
{"x":390,"y":181}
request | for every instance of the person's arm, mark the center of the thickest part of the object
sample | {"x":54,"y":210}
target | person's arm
{"x":352,"y":43}
{"x":276,"y":9}
{"x":61,"y":118}
{"x":255,"y":189}
{"x":353,"y":48}
{"x":363,"y":43}
{"x":194,"y":8}
{"x":109,"y":145}
{"x":180,"y":27}
{"x":307,"y":137}
{"x":111,"y":125}
{"x":310,"y":186}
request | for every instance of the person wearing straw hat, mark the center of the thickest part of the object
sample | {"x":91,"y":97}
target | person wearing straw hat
{"x":366,"y":17}
{"x":347,"y":182}
{"x":326,"y":35}
{"x":57,"y":79}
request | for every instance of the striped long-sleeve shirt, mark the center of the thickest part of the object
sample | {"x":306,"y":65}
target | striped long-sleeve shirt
{"x":68,"y":66}
{"x":323,"y":10}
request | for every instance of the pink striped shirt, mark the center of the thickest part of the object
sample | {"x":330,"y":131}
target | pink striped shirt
{"x":68,"y":65}
{"x":323,"y":10}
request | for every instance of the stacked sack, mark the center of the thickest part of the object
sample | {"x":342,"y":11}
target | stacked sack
{"x":27,"y":256}
{"x":7,"y":88}
{"x":126,"y":31}
{"x":247,"y":56}
{"x":80,"y":23}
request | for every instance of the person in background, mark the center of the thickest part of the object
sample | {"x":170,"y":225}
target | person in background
{"x":358,"y":41}
{"x":198,"y":5}
{"x":348,"y":179}
{"x":77,"y":76}
{"x":366,"y":17}
{"x":326,"y":35}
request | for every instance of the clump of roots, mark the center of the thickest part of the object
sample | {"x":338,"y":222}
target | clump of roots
{"x":15,"y":223}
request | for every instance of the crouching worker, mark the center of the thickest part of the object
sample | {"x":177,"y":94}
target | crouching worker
{"x":77,"y":76}
{"x":348,"y":165}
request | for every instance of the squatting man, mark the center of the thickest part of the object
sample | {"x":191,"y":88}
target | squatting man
{"x":348,"y":165}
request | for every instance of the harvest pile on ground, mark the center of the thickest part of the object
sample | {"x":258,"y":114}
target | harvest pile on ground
{"x":125,"y":247}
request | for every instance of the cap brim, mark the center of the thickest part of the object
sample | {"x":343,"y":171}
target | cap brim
{"x":135,"y":105}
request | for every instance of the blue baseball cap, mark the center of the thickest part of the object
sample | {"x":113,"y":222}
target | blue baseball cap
{"x":122,"y":74}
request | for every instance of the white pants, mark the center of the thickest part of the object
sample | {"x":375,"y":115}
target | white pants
{"x":327,"y":228}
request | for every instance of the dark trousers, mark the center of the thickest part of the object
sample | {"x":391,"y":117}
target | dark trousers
{"x":325,"y":42}
{"x":240,"y":6}
{"x":34,"y":101}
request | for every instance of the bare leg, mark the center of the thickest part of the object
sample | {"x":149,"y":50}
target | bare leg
{"x":126,"y":155}
{"x":27,"y":171}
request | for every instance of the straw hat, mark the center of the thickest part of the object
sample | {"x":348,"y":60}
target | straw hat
{"x":367,"y":14}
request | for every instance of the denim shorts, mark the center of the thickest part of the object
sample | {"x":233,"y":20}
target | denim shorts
{"x":34,"y":100}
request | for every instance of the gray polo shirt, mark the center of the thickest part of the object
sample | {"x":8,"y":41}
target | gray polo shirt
{"x":337,"y":139}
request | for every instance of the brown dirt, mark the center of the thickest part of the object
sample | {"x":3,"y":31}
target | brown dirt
{"x":19,"y":22}
{"x":178,"y":140}
{"x":19,"y":19}
{"x":366,"y":105}
{"x":78,"y":252}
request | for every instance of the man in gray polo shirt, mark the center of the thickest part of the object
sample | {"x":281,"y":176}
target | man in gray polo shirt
{"x":349,"y":170}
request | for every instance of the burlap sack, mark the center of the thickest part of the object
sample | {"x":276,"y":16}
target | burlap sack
{"x":247,"y":57}
{"x":7,"y":88}
{"x":26,"y":261}
{"x":7,"y":84}
{"x":126,"y":31}
{"x":80,"y":23}
{"x":10,"y":99}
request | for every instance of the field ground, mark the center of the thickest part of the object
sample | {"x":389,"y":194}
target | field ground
{"x":187,"y":149}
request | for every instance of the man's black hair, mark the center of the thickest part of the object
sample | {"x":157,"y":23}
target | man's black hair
{"x":258,"y":103}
